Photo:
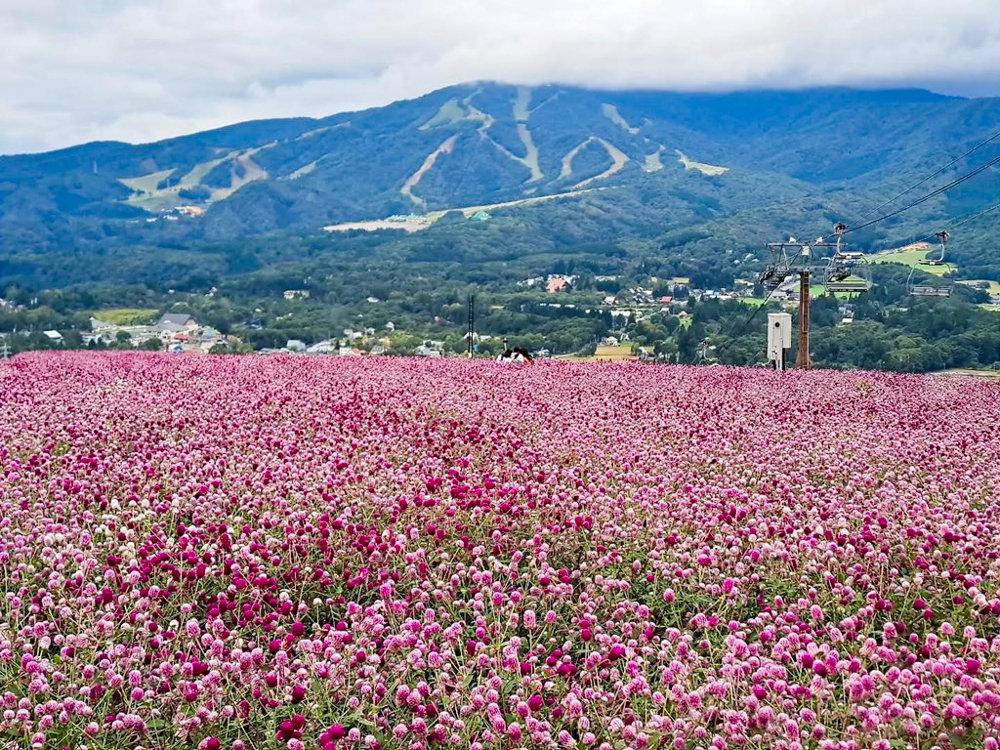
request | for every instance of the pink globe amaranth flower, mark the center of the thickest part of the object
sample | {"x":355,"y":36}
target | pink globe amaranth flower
{"x":336,"y":732}
{"x":329,"y":494}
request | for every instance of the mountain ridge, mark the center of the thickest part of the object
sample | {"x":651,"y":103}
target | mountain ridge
{"x":917,"y":94}
{"x":675,"y":159}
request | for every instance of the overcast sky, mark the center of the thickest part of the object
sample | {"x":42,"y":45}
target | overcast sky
{"x":140,"y":70}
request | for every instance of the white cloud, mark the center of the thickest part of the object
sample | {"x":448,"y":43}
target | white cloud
{"x":139,"y":70}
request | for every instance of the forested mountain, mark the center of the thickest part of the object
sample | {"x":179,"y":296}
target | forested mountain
{"x":700,"y":176}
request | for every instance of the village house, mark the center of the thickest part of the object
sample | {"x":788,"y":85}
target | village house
{"x":322,"y":347}
{"x":559,"y":283}
{"x":174,"y":323}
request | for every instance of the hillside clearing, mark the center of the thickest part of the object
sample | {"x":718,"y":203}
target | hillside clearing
{"x":619,"y":160}
{"x":147,"y":183}
{"x":912,"y":255}
{"x":424,"y":222}
{"x":302,"y":171}
{"x":414,"y":179}
{"x":653,"y":162}
{"x":521,"y":104}
{"x":611,"y":112}
{"x":706,"y":169}
{"x":252,"y":172}
{"x":530,"y":160}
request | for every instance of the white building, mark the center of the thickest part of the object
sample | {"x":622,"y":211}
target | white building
{"x":321,"y":347}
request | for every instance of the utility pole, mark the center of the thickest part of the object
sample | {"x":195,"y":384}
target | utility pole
{"x":472,"y":325}
{"x":802,"y":360}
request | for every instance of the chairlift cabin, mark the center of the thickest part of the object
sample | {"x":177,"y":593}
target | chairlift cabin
{"x":772,"y":278}
{"x":942,"y":286}
{"x":937,"y":287}
{"x":847,"y":271}
{"x":854,"y":285}
{"x":784,"y":256}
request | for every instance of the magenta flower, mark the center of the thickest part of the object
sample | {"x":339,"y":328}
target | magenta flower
{"x":452,"y":553}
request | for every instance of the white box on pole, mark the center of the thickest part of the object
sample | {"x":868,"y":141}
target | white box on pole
{"x":779,"y":337}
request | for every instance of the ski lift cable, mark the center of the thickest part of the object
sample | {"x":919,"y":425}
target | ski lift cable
{"x":956,"y":224}
{"x":929,"y":177}
{"x":913,"y":204}
{"x":929,"y":196}
{"x":966,"y":220}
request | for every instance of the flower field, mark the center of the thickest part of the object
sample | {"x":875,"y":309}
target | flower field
{"x":229,"y":552}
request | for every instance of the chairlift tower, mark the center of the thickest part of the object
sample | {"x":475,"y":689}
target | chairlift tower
{"x":842,"y":271}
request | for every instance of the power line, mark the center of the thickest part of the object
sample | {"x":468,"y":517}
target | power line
{"x":913,"y":204}
{"x":963,"y":222}
{"x":947,"y":166}
{"x":929,"y":196}
{"x":966,"y":220}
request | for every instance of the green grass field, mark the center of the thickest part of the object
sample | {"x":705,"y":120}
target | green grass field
{"x":993,"y":288}
{"x":911,"y":258}
{"x":614,"y":353}
{"x":127,"y":316}
{"x":818,"y":290}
